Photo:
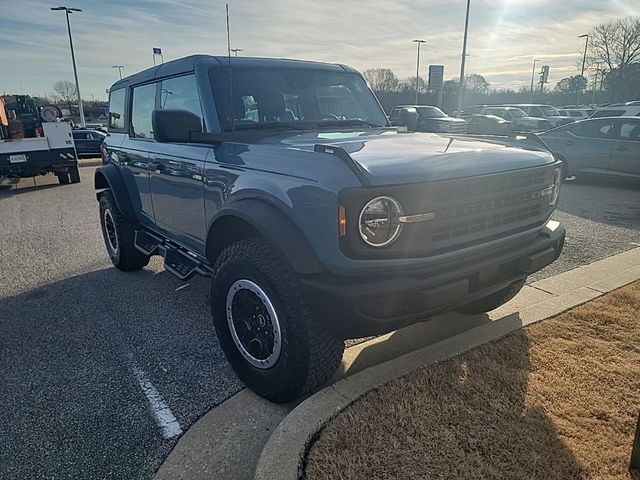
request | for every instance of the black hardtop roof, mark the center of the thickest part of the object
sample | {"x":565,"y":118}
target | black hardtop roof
{"x":188,"y":64}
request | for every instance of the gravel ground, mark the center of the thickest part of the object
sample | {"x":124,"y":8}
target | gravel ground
{"x":86,"y":350}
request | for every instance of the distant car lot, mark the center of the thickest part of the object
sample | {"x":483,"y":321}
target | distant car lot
{"x":80,"y":332}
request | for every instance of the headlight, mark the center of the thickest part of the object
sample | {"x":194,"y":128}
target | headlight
{"x":554,"y":188}
{"x":379,"y":221}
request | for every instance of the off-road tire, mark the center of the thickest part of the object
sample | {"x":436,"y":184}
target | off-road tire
{"x":63,"y":178}
{"x":493,"y":301}
{"x":309,"y":354}
{"x":125,"y":256}
{"x":74,"y":174}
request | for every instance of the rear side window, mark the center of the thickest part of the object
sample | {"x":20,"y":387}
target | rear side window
{"x":116,"y":109}
{"x":180,"y":93}
{"x":630,"y":131}
{"x":144,"y":102}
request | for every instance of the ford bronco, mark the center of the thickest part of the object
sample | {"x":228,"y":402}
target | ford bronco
{"x":316,"y":220}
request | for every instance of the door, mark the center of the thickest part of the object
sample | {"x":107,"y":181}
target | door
{"x":176,"y":171}
{"x":134,"y":150}
{"x":625,"y":148}
{"x":587,"y":145}
{"x":81,"y":141}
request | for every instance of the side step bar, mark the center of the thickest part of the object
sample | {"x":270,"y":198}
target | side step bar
{"x":177,"y":260}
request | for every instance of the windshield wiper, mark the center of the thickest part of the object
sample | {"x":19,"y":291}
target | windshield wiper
{"x":349,"y":123}
{"x":269,"y":125}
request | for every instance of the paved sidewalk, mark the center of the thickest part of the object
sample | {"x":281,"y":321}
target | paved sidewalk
{"x":228,"y":441}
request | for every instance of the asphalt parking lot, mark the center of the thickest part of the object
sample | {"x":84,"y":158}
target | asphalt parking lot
{"x":94,"y":359}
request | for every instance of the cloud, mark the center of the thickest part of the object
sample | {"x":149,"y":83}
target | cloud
{"x":504,"y":35}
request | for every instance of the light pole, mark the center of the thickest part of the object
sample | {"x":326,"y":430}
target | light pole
{"x":119,"y":67}
{"x":533,"y":74}
{"x":464,"y":57}
{"x":584,"y":60}
{"x":236,"y":50}
{"x":67,"y":11}
{"x":418,"y":67}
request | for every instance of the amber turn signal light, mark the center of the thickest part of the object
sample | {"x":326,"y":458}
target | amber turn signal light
{"x":342,"y":221}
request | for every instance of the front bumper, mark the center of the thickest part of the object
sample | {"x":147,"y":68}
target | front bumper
{"x":354,"y":307}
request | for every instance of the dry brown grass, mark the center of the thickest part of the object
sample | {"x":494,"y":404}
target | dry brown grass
{"x":557,"y":400}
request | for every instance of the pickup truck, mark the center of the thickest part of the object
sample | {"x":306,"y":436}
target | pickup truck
{"x":30,"y":146}
{"x":316,"y":221}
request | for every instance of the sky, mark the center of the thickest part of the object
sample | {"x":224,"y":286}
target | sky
{"x":504,"y":36}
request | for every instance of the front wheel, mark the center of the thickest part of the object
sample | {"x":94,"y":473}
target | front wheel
{"x":493,"y":301}
{"x":265,"y":326}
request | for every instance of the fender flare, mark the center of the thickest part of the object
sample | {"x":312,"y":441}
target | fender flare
{"x":278,"y":229}
{"x":108,"y":177}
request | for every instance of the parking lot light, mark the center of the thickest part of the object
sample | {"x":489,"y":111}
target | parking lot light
{"x":67,"y":11}
{"x":418,"y":67}
{"x":584,"y":60}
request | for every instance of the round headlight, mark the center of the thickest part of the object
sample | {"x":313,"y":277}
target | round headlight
{"x":379,"y":221}
{"x":556,"y":181}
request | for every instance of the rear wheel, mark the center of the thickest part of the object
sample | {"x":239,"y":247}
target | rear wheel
{"x":493,"y":301}
{"x":63,"y":177}
{"x":265,"y":326}
{"x":119,"y":234}
{"x":74,"y":174}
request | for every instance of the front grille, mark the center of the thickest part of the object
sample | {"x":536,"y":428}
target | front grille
{"x":469,"y":209}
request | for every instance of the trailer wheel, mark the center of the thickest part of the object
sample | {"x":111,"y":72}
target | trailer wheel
{"x":74,"y":174}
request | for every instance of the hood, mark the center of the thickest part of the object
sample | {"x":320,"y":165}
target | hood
{"x":392,"y":157}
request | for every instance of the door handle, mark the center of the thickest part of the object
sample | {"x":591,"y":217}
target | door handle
{"x":620,"y":148}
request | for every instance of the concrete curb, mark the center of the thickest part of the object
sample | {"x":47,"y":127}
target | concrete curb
{"x":283,"y":456}
{"x":89,"y":162}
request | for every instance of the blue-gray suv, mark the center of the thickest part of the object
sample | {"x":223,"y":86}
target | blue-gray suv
{"x":316,"y":220}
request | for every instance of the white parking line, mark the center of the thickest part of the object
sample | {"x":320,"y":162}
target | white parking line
{"x":161,"y":412}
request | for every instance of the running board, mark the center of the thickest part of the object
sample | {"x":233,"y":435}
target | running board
{"x":176,"y":259}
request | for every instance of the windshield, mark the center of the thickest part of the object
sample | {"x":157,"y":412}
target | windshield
{"x":550,"y":111}
{"x":295,"y":98}
{"x":431,"y":112}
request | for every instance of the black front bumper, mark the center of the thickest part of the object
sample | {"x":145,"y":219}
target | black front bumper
{"x":354,"y":307}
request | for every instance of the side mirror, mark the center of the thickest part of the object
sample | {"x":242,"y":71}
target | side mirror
{"x":175,"y":126}
{"x":408,"y":117}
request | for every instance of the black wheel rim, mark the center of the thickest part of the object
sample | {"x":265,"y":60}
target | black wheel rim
{"x":110,"y":231}
{"x":253,"y":323}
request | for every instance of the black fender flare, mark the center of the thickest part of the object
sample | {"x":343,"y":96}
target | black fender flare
{"x":277,"y":229}
{"x":109,"y":177}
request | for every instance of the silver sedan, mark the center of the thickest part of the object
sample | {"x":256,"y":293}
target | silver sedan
{"x":598,"y":146}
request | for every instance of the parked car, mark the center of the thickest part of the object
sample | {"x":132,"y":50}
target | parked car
{"x":315,"y":220}
{"x":547,"y":112}
{"x":88,"y":141}
{"x":520,"y":121}
{"x":431,"y":119}
{"x":488,"y":125}
{"x":629,"y":109}
{"x":577,"y":113}
{"x":598,"y":146}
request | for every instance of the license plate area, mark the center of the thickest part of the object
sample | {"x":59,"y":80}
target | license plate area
{"x":17,"y":158}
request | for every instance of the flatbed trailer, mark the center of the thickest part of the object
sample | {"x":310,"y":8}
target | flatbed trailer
{"x":55,"y":152}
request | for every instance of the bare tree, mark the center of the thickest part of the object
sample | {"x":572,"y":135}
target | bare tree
{"x":65,"y":92}
{"x":616,"y":45}
{"x":476,"y":83}
{"x":382,"y":80}
{"x":409,"y":84}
